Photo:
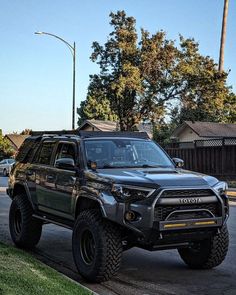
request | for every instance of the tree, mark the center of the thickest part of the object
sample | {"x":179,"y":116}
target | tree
{"x":155,"y":78}
{"x":119,"y":72}
{"x":96,"y":106}
{"x":26,"y":132}
{"x":6,"y":149}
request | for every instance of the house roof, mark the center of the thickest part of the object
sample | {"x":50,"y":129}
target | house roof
{"x":113,"y":126}
{"x":16,"y":139}
{"x":145,"y":127}
{"x":100,"y":125}
{"x":207,"y":129}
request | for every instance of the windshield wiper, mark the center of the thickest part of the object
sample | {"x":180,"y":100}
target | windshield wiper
{"x":134,"y":166}
{"x":148,"y":166}
{"x":153,"y":166}
{"x":106,"y":166}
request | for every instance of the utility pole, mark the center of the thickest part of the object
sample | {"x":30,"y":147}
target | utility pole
{"x":73,"y":100}
{"x":223,"y":35}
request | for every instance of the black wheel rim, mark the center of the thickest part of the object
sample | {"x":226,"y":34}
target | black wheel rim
{"x":87,"y":247}
{"x":18,"y":222}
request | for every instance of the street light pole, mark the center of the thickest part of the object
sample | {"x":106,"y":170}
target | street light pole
{"x":73,"y":52}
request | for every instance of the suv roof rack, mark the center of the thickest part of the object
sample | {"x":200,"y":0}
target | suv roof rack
{"x":90,"y":134}
{"x":54,"y":133}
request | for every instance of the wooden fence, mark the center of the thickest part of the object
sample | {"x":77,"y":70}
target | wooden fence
{"x":215,"y":157}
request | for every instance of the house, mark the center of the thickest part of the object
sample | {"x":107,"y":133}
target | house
{"x":16,"y":140}
{"x":191,"y":131}
{"x":100,"y":125}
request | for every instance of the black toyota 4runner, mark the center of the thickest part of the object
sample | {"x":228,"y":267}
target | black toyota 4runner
{"x":116,"y":191}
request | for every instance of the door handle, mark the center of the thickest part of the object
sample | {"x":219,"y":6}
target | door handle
{"x":30,"y":173}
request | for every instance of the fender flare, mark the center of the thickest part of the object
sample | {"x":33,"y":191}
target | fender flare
{"x":26,"y":189}
{"x":90,"y":197}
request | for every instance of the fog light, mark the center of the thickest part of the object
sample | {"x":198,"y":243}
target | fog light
{"x":130,"y":215}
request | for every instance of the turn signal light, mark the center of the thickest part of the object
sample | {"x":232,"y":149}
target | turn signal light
{"x":204,"y":222}
{"x":175,"y":225}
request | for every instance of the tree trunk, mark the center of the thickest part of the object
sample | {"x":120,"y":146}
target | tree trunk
{"x":223,"y":36}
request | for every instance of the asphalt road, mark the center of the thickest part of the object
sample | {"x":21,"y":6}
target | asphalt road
{"x":3,"y":182}
{"x":141,"y":272}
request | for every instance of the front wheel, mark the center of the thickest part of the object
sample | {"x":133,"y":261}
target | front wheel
{"x":5,"y":172}
{"x":208,"y":253}
{"x":97,"y":246}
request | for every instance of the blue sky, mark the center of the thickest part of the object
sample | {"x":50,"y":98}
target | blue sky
{"x":36,"y":71}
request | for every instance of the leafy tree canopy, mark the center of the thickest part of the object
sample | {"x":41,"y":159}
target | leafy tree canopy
{"x":6,"y":149}
{"x":97,"y":105}
{"x":154,"y":78}
{"x":26,"y":132}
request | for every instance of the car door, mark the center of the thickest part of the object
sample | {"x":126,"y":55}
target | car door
{"x":45,"y":176}
{"x":65,"y":179}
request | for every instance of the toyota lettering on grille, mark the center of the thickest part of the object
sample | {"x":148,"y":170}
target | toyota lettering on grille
{"x":190,"y":201}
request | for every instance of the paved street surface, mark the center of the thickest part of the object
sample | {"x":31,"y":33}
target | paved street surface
{"x":3,"y":182}
{"x":141,"y":272}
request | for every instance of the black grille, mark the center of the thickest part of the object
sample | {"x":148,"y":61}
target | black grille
{"x":161,"y":212}
{"x":187,"y":193}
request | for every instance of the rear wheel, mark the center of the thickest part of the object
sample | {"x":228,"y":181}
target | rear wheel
{"x":208,"y":253}
{"x":97,"y":246}
{"x":24,"y":229}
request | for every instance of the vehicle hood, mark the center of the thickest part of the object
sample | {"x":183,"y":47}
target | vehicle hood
{"x":157,"y":177}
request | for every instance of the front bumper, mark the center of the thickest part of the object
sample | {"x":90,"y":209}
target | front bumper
{"x":147,"y":221}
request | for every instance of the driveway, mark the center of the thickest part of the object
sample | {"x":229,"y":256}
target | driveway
{"x":141,"y":272}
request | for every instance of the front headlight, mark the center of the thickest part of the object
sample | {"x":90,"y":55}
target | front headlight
{"x":221,"y":188}
{"x":129,"y":193}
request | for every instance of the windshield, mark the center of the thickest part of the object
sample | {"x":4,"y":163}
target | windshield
{"x":125,"y":153}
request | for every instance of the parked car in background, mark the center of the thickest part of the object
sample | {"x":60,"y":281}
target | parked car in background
{"x":6,"y":165}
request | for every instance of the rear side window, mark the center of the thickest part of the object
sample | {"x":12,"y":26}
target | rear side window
{"x":46,"y":153}
{"x":27,"y":150}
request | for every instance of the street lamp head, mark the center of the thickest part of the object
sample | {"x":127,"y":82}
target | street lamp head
{"x":38,"y":33}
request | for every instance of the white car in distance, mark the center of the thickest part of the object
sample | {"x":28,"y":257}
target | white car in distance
{"x":6,"y":166}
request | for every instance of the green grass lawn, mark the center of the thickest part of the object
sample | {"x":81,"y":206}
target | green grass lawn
{"x":21,"y":274}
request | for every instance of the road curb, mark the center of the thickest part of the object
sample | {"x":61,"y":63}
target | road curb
{"x":232,"y":195}
{"x":77,"y":283}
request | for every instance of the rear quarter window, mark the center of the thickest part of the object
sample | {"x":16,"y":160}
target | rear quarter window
{"x":27,"y":150}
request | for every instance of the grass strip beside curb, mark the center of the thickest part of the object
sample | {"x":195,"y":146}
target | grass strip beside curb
{"x":21,"y":274}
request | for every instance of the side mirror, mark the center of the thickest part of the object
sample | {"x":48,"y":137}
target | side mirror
{"x":179,"y":163}
{"x":65,"y":163}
